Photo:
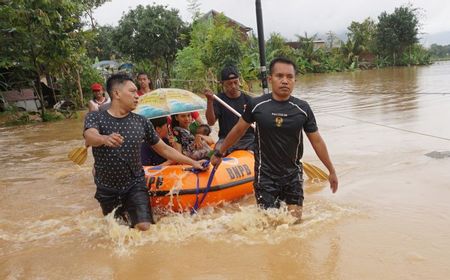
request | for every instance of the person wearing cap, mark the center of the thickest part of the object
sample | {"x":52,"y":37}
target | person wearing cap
{"x":233,"y":96}
{"x":98,"y":98}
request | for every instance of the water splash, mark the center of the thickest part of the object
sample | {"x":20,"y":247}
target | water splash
{"x":246,"y":224}
{"x":233,"y":223}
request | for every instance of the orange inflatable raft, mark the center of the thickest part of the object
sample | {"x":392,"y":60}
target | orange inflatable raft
{"x":175,"y":187}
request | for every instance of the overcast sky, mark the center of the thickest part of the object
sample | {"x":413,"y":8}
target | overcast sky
{"x":290,"y":17}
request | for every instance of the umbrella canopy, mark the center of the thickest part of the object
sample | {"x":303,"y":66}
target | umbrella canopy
{"x":168,"y":101}
{"x":126,"y":66}
{"x":106,"y":64}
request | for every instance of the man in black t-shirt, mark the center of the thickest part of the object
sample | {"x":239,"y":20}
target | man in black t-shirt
{"x":237,"y":100}
{"x":116,"y":136}
{"x":280,"y":121}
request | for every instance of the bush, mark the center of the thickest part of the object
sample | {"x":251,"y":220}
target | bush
{"x":51,"y":116}
{"x":416,"y":55}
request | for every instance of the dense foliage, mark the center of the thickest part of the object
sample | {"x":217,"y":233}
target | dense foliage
{"x":440,"y":52}
{"x":102,"y":46}
{"x":391,"y":41}
{"x":213,"y":45}
{"x":152,"y":33}
{"x":43,"y":39}
{"x":397,"y":33}
{"x":60,"y":39}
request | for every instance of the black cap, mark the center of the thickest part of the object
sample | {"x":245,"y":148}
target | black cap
{"x":228,"y":73}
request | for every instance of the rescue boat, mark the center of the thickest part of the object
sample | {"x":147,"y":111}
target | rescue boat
{"x":180,"y":188}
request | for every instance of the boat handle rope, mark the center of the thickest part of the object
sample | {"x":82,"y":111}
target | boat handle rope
{"x":198,"y":202}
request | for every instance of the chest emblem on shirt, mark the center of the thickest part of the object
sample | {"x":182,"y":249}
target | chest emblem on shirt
{"x":278,"y":121}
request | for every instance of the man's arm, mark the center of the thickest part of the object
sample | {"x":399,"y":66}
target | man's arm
{"x":209,"y":113}
{"x":170,"y":153}
{"x":321,"y":150}
{"x":93,"y":138}
{"x":233,"y":136}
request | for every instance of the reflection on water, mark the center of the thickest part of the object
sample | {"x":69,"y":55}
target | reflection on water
{"x":392,"y":97}
{"x":390,"y":210}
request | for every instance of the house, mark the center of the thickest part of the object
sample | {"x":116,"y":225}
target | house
{"x":317,"y":44}
{"x":294,"y":44}
{"x":245,"y":30}
{"x":25,"y":99}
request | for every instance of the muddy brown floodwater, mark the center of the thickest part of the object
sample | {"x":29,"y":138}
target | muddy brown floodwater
{"x":388,"y":134}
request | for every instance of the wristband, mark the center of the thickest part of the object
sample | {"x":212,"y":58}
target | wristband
{"x":218,"y":154}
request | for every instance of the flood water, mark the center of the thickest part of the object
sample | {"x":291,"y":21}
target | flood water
{"x":388,"y":220}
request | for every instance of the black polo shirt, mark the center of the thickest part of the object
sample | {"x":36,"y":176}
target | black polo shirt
{"x":278,"y":136}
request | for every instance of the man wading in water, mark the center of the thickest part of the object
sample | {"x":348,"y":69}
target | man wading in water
{"x":116,"y":136}
{"x":280,"y":119}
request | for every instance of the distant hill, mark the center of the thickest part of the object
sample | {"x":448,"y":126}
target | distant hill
{"x":442,"y":38}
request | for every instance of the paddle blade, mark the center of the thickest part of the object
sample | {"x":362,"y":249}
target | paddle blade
{"x":322,"y":174}
{"x":314,"y":172}
{"x":311,"y":173}
{"x":78,"y":155}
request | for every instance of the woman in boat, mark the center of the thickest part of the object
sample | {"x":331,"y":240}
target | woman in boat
{"x":194,"y":146}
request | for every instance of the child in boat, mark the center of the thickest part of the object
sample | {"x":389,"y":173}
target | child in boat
{"x":203,"y":129}
{"x":194,"y":146}
{"x":148,"y":155}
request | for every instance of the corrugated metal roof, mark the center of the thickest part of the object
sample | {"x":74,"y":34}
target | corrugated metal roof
{"x":213,"y":13}
{"x":15,"y":95}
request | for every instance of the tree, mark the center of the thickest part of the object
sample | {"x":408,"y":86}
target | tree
{"x":349,"y":51}
{"x":223,"y":45}
{"x":89,"y":6}
{"x":397,"y":31}
{"x":362,"y":36}
{"x":307,"y":53}
{"x":438,"y":51}
{"x":213,"y":45}
{"x":151,"y":33}
{"x":44,"y":38}
{"x":194,"y":9}
{"x":276,"y":46}
{"x":333,"y":40}
{"x":102,"y":45}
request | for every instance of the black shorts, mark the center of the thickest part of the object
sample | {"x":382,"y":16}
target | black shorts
{"x":270,"y":192}
{"x":134,"y":201}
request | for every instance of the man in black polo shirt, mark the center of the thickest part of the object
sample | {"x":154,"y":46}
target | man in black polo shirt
{"x":237,"y":100}
{"x":280,"y":121}
{"x":116,"y":136}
